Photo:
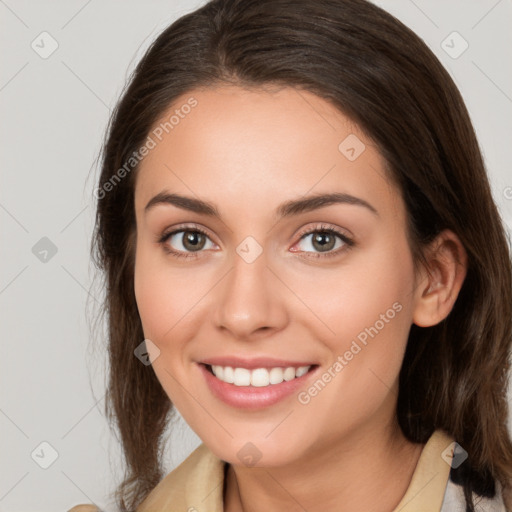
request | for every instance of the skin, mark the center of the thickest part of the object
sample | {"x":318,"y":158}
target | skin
{"x":248,"y":151}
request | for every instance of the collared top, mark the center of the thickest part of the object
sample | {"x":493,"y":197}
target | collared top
{"x":197,"y":484}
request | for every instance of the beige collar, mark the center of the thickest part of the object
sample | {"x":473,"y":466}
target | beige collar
{"x":197,"y":484}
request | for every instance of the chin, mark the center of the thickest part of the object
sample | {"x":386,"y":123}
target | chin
{"x":256,"y":452}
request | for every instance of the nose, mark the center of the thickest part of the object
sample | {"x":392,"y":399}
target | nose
{"x":251,"y":300}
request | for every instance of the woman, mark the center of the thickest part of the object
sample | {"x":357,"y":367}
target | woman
{"x":294,"y":215}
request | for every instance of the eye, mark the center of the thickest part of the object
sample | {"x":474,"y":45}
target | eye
{"x":185,"y":241}
{"x":325,"y":239}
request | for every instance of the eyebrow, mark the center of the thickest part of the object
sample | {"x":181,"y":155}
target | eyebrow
{"x":286,"y":209}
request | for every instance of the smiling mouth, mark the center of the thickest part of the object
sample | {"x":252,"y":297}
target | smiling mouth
{"x":258,"y":377}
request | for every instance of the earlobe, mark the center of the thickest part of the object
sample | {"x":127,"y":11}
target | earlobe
{"x":440,"y":283}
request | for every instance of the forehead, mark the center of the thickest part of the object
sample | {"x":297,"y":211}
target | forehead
{"x":259,"y":146}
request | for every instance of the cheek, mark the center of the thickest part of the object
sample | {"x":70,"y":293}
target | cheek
{"x":368,"y":290}
{"x":160,"y":309}
{"x":155,"y":294}
{"x":379,"y":314}
{"x":368,"y":310}
{"x":163,"y":292}
{"x":170,"y":307}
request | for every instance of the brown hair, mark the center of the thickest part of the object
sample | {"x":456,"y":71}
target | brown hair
{"x":383,"y":76}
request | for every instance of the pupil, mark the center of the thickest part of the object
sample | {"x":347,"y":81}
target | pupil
{"x":324,"y":241}
{"x":191,"y":241}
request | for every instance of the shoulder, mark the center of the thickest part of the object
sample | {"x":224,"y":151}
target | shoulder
{"x":187,"y":485}
{"x":454,"y":500}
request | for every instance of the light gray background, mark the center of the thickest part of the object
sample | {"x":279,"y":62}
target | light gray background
{"x":53,"y":114}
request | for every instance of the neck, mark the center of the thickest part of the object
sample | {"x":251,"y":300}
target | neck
{"x":360,"y":473}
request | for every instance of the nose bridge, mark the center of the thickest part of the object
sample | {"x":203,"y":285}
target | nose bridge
{"x":250,"y":299}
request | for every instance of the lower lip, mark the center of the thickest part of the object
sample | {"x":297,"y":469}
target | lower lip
{"x":251,"y":397}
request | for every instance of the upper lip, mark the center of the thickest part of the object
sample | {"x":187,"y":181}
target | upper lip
{"x":256,"y":362}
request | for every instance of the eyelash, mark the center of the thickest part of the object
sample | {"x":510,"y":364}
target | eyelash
{"x":323,"y":228}
{"x":166,"y":235}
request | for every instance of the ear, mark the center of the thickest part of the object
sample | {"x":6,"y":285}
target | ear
{"x":439,"y":284}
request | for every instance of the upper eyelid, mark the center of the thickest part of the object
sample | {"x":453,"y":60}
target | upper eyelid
{"x":320,"y":226}
{"x":189,"y":227}
{"x":324,"y":226}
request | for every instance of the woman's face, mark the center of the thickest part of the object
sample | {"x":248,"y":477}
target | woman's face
{"x":266,"y":287}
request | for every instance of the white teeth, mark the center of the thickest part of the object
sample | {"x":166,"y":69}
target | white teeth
{"x":276,"y":376}
{"x":259,"y":377}
{"x":242,"y":377}
{"x":219,"y":372}
{"x":229,"y":374}
{"x":301,"y":371}
{"x":289,"y":373}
